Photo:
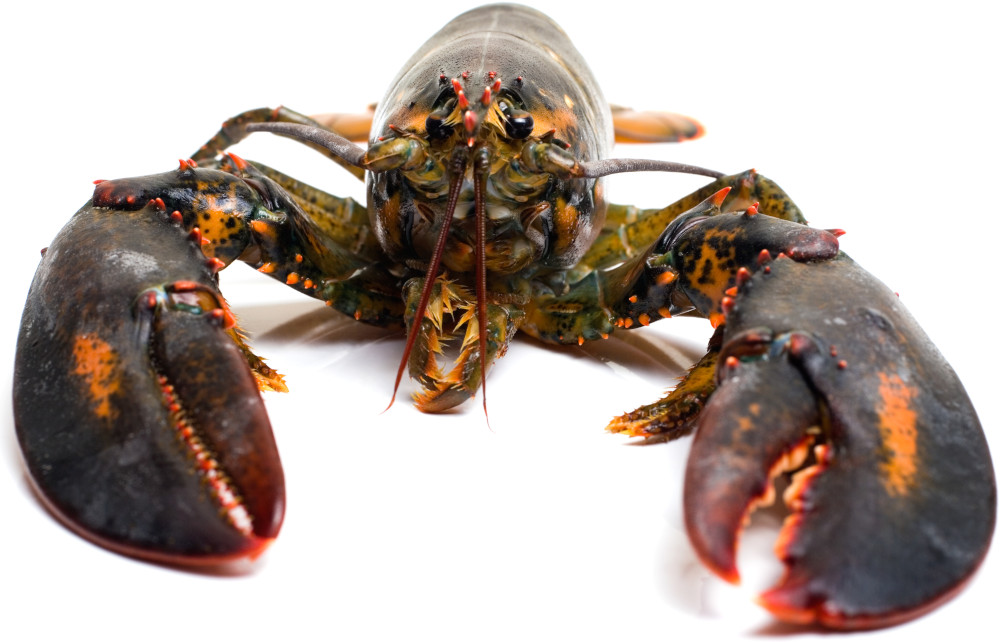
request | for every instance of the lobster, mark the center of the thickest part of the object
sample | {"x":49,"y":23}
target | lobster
{"x":170,"y":314}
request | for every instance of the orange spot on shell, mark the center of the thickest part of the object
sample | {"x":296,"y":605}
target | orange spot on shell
{"x":897,"y":428}
{"x":96,"y":361}
{"x":665,"y":278}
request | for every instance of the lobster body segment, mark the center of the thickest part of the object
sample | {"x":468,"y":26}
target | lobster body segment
{"x":505,"y":75}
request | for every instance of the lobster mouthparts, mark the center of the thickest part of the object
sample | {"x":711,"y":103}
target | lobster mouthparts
{"x":896,"y":505}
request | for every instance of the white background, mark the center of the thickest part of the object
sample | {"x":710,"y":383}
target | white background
{"x":878,"y":119}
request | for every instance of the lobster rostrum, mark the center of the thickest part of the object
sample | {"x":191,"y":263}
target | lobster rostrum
{"x":485,"y":216}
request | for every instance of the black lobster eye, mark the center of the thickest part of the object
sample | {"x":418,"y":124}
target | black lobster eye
{"x":519,"y":124}
{"x":443,"y":106}
{"x":516,"y":122}
{"x":436,"y":129}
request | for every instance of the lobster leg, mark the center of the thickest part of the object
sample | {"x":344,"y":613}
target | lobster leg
{"x":629,"y":231}
{"x":322,"y":246}
{"x":614,"y":287}
{"x":820,"y":366}
{"x":675,"y":415}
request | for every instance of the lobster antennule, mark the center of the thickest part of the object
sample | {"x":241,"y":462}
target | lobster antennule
{"x":459,"y":160}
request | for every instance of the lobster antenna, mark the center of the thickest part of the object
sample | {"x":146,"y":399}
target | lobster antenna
{"x":606,"y":167}
{"x":334,"y":143}
{"x":458,"y":162}
{"x":479,"y":172}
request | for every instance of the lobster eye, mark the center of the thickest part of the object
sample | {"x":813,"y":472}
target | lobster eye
{"x":436,"y":129}
{"x":519,"y":124}
{"x":516,"y":122}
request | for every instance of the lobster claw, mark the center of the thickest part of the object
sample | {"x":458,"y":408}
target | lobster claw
{"x":823,"y":373}
{"x":141,"y":425}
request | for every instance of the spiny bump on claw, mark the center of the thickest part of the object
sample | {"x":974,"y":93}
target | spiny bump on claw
{"x":98,"y":181}
{"x":633,"y":298}
{"x":733,"y":291}
{"x":237,"y":161}
{"x":764,"y":257}
{"x":727,"y":304}
{"x":292,"y":279}
{"x":752,"y":210}
{"x":837,"y":232}
{"x":716,"y":319}
{"x":842,"y":364}
{"x":742,"y":276}
{"x":717,"y":198}
{"x":185,"y":286}
{"x":186,"y":164}
{"x":214,"y":264}
{"x":176,"y":217}
{"x":664,"y":312}
{"x":644,"y":319}
{"x":798,"y":344}
{"x":732,"y":362}
{"x":197,"y":237}
{"x":486,"y":97}
{"x":267,"y":268}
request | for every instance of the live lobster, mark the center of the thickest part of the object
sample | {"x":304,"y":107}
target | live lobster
{"x":509,"y":154}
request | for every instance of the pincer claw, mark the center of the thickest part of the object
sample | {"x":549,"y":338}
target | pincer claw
{"x":822,"y":373}
{"x":141,"y":425}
